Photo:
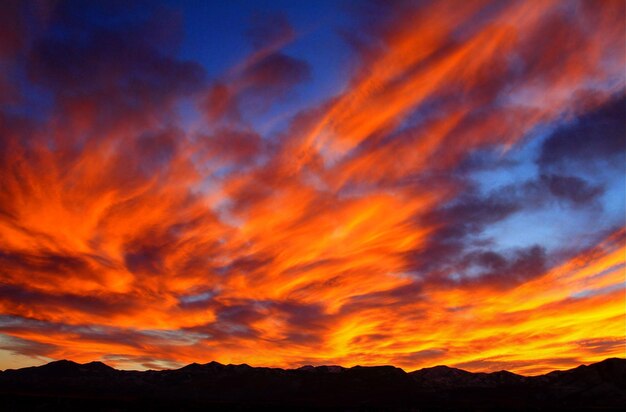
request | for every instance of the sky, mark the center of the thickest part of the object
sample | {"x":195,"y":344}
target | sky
{"x":285,"y":183}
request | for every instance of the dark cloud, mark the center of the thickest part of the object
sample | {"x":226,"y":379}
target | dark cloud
{"x":231,"y":146}
{"x":266,"y":77}
{"x":275,"y":73}
{"x":456,"y":223}
{"x":44,"y":262}
{"x":395,"y":298}
{"x":309,"y":319}
{"x":484,"y":159}
{"x":220,"y":102}
{"x":428,"y":356}
{"x":234,"y":321}
{"x":12,"y":26}
{"x":457,"y":253}
{"x":149,"y":250}
{"x":460,"y":223}
{"x":260,"y":83}
{"x":25,"y":347}
{"x":296,"y":322}
{"x":145,"y":260}
{"x":154,"y":151}
{"x":248,"y":264}
{"x":80,"y":333}
{"x":473,"y":211}
{"x":496,"y":269}
{"x":569,"y":190}
{"x":269,"y":29}
{"x":77,"y":333}
{"x":113,"y":76}
{"x":601,"y":346}
{"x":572,"y":188}
{"x":599,"y":135}
{"x":18,"y":299}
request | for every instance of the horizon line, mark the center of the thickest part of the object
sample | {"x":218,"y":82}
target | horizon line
{"x":307,"y":365}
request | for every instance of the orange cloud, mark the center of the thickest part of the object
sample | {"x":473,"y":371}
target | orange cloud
{"x":346,"y":239}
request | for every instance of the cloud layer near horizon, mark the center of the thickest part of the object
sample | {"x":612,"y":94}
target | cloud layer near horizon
{"x":459,"y":201}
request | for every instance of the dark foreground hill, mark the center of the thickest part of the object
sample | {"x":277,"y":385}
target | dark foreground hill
{"x":66,"y":385}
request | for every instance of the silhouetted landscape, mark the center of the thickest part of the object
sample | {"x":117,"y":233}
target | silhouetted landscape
{"x":66,"y":385}
{"x":402,"y":183}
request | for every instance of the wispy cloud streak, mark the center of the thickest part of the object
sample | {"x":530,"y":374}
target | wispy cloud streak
{"x":367,"y":231}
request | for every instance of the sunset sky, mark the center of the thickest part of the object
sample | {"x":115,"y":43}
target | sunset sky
{"x":283,"y":183}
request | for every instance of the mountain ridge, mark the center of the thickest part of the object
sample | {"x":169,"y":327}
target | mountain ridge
{"x":74,"y":386}
{"x":303,"y":367}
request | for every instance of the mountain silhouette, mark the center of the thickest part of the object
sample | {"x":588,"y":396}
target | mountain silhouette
{"x":94,"y":386}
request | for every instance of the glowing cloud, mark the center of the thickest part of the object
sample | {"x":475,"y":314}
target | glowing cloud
{"x":460,"y":200}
